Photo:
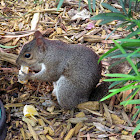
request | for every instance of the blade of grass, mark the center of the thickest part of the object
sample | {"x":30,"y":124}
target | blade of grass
{"x":7,"y":47}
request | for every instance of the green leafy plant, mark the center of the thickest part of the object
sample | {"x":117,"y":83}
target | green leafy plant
{"x":128,"y":49}
{"x":125,"y":16}
{"x":126,"y":53}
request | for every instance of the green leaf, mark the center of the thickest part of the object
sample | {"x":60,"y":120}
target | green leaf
{"x":137,"y":22}
{"x":126,"y":55}
{"x":134,"y":53}
{"x":115,"y":91}
{"x":131,"y":26}
{"x":106,"y":16}
{"x":89,"y":5}
{"x":137,"y":101}
{"x":119,"y":47}
{"x":131,"y":45}
{"x":125,"y":88}
{"x":106,"y":54}
{"x":128,"y":59}
{"x":116,"y":52}
{"x":59,"y":4}
{"x":131,"y":94}
{"x":137,"y":107}
{"x":136,"y":91}
{"x":136,"y":129}
{"x":129,"y":40}
{"x":7,"y":47}
{"x":79,"y":5}
{"x":116,"y":62}
{"x":132,"y":72}
{"x":109,"y":7}
{"x":120,"y":75}
{"x":94,"y":4}
{"x":116,"y":84}
{"x":129,"y":10}
{"x":121,"y":79}
{"x":138,"y":121}
{"x":136,"y":114}
{"x":123,"y":7}
{"x":133,"y":33}
{"x":105,"y":21}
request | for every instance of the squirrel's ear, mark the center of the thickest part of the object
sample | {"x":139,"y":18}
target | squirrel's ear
{"x":40,"y":41}
{"x":38,"y":34}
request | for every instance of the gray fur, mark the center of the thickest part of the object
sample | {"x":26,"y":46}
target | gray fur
{"x":73,"y":68}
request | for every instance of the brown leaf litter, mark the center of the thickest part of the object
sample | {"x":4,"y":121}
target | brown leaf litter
{"x":91,"y":120}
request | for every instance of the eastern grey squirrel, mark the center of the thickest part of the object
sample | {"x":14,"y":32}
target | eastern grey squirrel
{"x":73,"y":69}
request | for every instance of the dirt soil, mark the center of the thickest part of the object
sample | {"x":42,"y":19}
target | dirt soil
{"x":90,"y":120}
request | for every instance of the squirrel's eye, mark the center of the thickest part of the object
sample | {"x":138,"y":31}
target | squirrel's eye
{"x":27,"y":55}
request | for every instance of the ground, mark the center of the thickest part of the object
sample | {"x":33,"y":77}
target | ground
{"x":91,"y":120}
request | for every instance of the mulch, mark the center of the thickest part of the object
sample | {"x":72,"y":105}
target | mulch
{"x":90,"y":120}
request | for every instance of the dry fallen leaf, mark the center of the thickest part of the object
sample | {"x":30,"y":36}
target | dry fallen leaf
{"x":92,"y":105}
{"x":75,"y":14}
{"x":116,"y":119}
{"x":102,"y":127}
{"x":80,"y":114}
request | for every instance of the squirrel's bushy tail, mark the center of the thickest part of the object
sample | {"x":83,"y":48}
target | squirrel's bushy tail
{"x":99,"y":92}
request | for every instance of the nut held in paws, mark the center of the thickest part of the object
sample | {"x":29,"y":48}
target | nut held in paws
{"x":24,"y":69}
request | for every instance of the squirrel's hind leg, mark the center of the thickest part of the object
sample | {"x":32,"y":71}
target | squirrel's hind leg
{"x":68,"y":95}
